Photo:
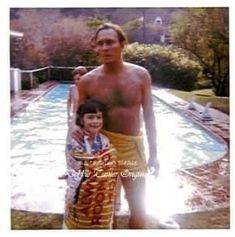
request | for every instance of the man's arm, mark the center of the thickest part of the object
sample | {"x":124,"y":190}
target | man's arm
{"x":149,"y":120}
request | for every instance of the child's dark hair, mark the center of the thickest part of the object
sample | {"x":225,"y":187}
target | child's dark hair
{"x":89,"y":106}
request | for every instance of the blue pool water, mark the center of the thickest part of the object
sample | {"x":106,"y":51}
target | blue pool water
{"x":38,"y":141}
{"x":182,"y":143}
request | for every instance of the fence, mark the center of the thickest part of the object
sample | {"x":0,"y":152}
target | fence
{"x":32,"y":78}
{"x":15,"y":79}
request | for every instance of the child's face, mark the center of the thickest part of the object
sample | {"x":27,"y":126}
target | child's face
{"x":76,"y":79}
{"x":93,"y":122}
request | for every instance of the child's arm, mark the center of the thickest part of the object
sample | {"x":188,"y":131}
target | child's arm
{"x":74,"y":149}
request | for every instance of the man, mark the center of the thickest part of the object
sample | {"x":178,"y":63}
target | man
{"x":124,"y":88}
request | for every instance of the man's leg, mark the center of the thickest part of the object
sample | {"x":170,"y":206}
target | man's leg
{"x":118,"y":194}
{"x":135,"y":194}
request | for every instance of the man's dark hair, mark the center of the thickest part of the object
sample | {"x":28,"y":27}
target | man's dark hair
{"x":121,"y":34}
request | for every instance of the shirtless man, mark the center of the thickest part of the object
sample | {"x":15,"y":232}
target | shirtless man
{"x":123,"y":88}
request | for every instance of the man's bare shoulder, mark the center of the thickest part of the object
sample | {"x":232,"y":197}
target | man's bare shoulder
{"x":91,"y":75}
{"x":138,"y":70}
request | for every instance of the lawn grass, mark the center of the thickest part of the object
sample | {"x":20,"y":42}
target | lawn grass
{"x":203,"y":97}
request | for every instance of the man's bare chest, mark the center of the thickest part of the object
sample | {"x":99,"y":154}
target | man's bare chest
{"x":116,"y":94}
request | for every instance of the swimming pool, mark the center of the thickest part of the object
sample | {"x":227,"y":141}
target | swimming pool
{"x":182,"y":143}
{"x":38,"y":141}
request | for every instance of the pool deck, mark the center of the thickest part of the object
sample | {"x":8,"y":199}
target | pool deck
{"x":207,"y":206}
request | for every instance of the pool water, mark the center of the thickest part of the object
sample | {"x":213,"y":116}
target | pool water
{"x":181,"y":143}
{"x":38,"y":141}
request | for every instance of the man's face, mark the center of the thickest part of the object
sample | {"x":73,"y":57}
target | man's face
{"x":108,"y":46}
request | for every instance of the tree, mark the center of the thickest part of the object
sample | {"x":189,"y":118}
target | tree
{"x":95,"y":21}
{"x":205,"y":33}
{"x":35,"y":24}
{"x":49,"y":39}
{"x":69,"y":39}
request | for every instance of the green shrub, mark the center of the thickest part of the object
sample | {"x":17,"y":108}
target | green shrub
{"x":169,"y":67}
{"x":61,"y":74}
{"x":42,"y":76}
{"x":89,"y":58}
{"x":26,"y":83}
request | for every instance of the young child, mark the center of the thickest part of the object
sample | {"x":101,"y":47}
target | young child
{"x":85,"y":193}
{"x":90,"y":118}
{"x":73,"y":95}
